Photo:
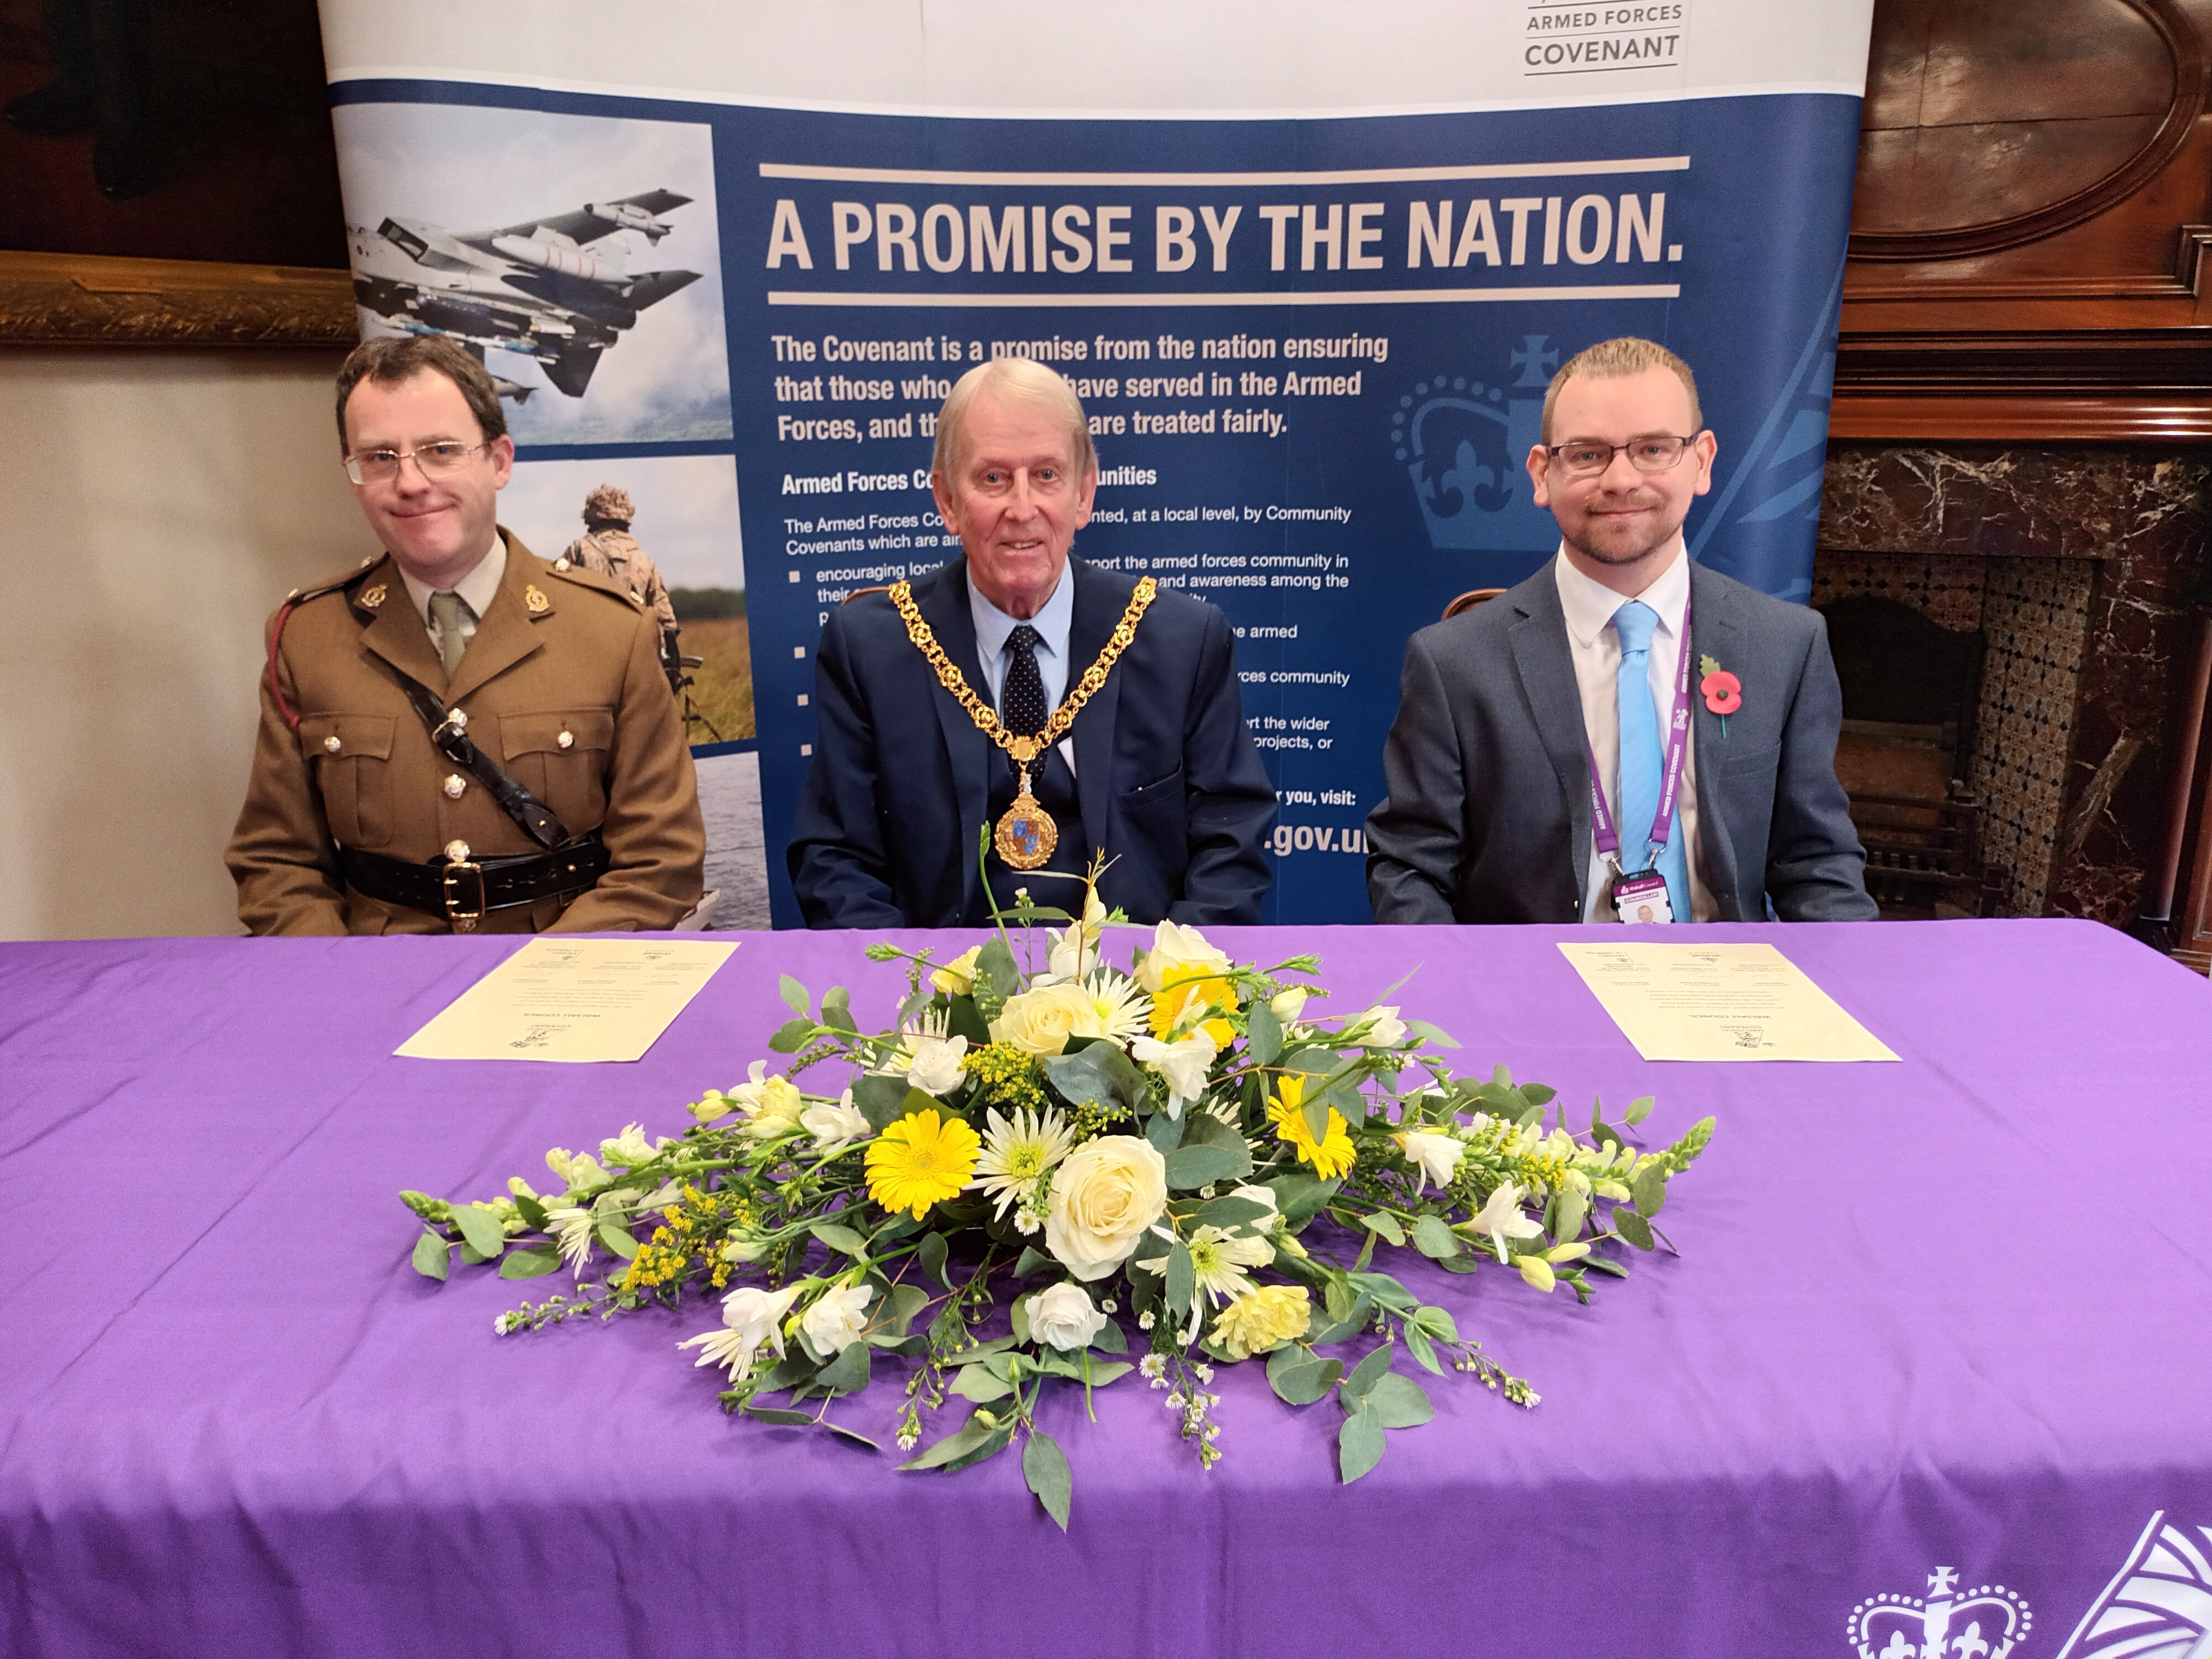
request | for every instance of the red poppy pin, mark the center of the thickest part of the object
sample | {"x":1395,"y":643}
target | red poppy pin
{"x":1723,"y":692}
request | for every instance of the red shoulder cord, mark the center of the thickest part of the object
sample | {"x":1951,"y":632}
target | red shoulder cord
{"x":276,"y":639}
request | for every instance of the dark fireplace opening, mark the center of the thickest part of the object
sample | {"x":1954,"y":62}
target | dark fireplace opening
{"x":1911,"y":687}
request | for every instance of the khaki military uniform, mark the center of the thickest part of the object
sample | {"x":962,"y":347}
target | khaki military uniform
{"x":615,"y":552}
{"x":563,"y":691}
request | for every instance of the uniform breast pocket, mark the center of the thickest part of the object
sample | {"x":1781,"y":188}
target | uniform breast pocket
{"x":352,"y":757}
{"x":562,"y":759}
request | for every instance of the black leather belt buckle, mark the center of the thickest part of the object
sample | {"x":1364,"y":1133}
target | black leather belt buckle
{"x":463,"y":892}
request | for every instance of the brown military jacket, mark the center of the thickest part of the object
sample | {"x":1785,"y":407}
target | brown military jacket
{"x":616,"y":553}
{"x":564,"y":689}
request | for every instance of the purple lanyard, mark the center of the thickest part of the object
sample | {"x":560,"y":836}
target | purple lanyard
{"x":1670,"y":780}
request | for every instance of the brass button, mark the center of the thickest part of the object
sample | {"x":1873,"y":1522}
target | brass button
{"x":455,"y":783}
{"x":458,"y":717}
{"x":567,"y":739}
{"x":560,"y":564}
{"x":457,"y":852}
{"x":332,"y":743}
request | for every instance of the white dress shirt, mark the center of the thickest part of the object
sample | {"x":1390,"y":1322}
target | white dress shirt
{"x":1595,"y":646}
{"x":994,"y":628}
{"x":476,"y":589}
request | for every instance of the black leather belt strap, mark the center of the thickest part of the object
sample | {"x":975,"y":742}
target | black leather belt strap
{"x":464,"y":891}
{"x":447,"y":731}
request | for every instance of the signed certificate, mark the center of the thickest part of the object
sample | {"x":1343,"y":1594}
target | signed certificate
{"x":573,"y":999}
{"x":1719,"y":1002}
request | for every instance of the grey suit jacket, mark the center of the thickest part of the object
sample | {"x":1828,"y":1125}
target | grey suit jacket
{"x":1488,"y":816}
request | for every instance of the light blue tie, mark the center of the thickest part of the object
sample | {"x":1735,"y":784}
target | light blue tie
{"x":1642,"y":758}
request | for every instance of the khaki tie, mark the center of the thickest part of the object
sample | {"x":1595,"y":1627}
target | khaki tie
{"x":446,"y":610}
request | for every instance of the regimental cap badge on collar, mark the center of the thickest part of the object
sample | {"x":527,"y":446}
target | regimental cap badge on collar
{"x":372,"y":597}
{"x":535,"y":601}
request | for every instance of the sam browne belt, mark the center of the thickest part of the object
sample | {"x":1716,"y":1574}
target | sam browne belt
{"x":465,"y":890}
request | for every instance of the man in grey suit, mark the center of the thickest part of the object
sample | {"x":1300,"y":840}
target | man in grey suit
{"x":1507,"y":765}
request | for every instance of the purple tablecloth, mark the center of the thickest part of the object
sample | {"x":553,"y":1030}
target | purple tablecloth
{"x":1951,"y":1314}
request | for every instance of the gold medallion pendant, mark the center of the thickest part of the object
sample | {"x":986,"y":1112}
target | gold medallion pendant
{"x":1026,"y":835}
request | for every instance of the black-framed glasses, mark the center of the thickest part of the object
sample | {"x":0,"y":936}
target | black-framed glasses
{"x":1658,"y":452}
{"x":447,"y":455}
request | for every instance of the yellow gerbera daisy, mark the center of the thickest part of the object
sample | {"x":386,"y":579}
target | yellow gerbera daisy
{"x":1333,"y":1155}
{"x":920,"y":1160}
{"x":1191,"y":994}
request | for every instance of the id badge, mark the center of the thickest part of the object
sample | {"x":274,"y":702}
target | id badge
{"x":1642,"y":898}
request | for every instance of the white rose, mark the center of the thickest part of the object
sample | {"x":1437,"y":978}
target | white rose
{"x":1104,"y":1197}
{"x":834,"y":1123}
{"x":1184,"y":1064}
{"x":1378,"y":1028}
{"x":1040,"y":1022}
{"x":833,"y":1324}
{"x":1287,"y":1005}
{"x":1179,"y":952}
{"x":1436,"y":1156}
{"x":936,"y":1065}
{"x":1065,"y":1317}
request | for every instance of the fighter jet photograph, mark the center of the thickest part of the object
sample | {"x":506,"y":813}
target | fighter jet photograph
{"x":557,"y":289}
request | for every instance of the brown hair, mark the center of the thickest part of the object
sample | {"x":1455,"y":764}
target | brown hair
{"x":391,"y":359}
{"x":1018,"y":380}
{"x":1610,"y":359}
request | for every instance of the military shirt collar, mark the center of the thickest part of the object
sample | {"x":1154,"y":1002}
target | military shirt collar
{"x":476,"y":589}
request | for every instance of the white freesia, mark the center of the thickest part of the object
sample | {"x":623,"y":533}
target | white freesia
{"x":1179,"y":952}
{"x":750,"y":1318}
{"x":1065,"y":1316}
{"x":771,"y":1104}
{"x":833,"y":1323}
{"x":1075,"y":947}
{"x":629,"y":1147}
{"x":1378,"y":1028}
{"x":834,"y":1123}
{"x":936,"y":1065}
{"x":1103,"y":1196}
{"x":1502,"y":1219}
{"x":1287,"y":1005}
{"x":580,"y":1171}
{"x":1184,"y":1063}
{"x":1435,"y":1155}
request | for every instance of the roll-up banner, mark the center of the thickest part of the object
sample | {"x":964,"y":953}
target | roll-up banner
{"x":1309,"y":267}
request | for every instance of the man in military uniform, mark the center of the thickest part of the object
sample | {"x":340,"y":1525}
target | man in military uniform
{"x":459,"y":734}
{"x":607,"y":547}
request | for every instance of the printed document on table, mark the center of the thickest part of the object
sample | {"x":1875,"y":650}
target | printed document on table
{"x":1719,"y":1002}
{"x":572,"y":1000}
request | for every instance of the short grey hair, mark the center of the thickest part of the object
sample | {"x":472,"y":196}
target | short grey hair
{"x":1017,"y":380}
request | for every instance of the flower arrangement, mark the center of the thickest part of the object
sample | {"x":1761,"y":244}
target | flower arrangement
{"x":1177,"y":1145}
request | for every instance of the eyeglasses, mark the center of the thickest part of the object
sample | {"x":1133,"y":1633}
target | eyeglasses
{"x":1661,"y":452}
{"x":434,"y":460}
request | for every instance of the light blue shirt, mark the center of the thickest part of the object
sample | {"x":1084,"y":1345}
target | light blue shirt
{"x":994,"y":627}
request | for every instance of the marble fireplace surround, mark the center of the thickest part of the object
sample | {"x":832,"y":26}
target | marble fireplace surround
{"x":2074,"y":562}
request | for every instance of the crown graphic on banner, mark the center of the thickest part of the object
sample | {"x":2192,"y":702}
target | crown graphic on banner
{"x":2158,"y":1605}
{"x":1949,"y":1622}
{"x":1464,"y":445}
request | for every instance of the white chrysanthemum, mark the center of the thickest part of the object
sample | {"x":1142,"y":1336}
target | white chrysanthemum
{"x":573,"y":1227}
{"x":1124,"y":1010}
{"x":1017,"y":1154}
{"x":1221,"y":1264}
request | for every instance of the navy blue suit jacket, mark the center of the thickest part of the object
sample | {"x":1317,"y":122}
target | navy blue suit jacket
{"x":1488,"y":816}
{"x":1169,"y":784}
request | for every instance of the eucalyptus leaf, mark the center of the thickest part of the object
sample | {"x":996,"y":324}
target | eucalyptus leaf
{"x":469,"y":1256}
{"x":1190,"y":1167}
{"x":881,"y":1100}
{"x":777,"y":1414}
{"x":1299,"y":1377}
{"x":795,"y":996}
{"x":1399,"y":1402}
{"x":1032,"y":1262}
{"x":1386,"y":1291}
{"x":1423,"y":1350}
{"x":1103,"y":1371}
{"x":1648,"y":1189}
{"x":853,"y":1435}
{"x":1422,"y":1028}
{"x":848,"y":1372}
{"x":1204,"y":1129}
{"x":835,"y":996}
{"x":530,"y":1261}
{"x":1099,"y":1075}
{"x":1044,"y":1466}
{"x":842,"y":1239}
{"x":1377,"y":1364}
{"x":1606,"y":1265}
{"x":1434,"y":1238}
{"x":964,"y":1018}
{"x":840,"y":1019}
{"x":1182,"y":1280}
{"x":1567,"y":1221}
{"x":1358,"y":1444}
{"x":976,"y":1383}
{"x":995,"y":963}
{"x":1021,"y":1321}
{"x":532,"y":1211}
{"x":1631,"y":1226}
{"x":1436,"y":1321}
{"x":1638,"y":1109}
{"x":481,"y":1229}
{"x":791,"y":1036}
{"x":1229,"y":1210}
{"x":1316,"y":1111}
{"x":794,"y":1371}
{"x":1538,"y":1094}
{"x":1386,"y":1226}
{"x":1461,"y":1264}
{"x":617,"y":1239}
{"x":1263,"y":1036}
{"x":430,"y":1256}
{"x":1164,"y":1132}
{"x":931,"y":1253}
{"x":994,"y":1443}
{"x":1111,"y":1339}
{"x":1339,"y":1298}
